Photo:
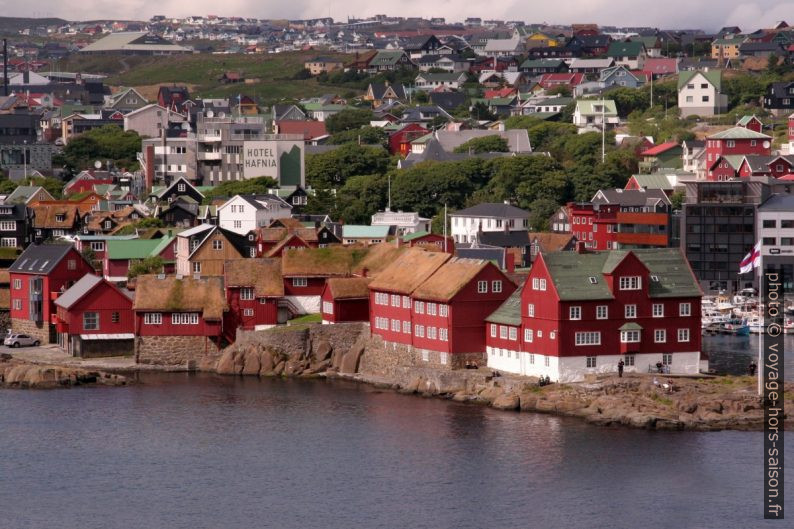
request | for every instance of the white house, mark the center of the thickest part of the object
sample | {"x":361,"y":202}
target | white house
{"x":432,"y":81}
{"x":405,"y":221}
{"x":243,"y":213}
{"x":700,"y":93}
{"x":488,"y":216}
{"x":593,"y":113}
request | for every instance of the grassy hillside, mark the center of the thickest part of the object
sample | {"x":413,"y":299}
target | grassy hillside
{"x":12,"y":25}
{"x":273,"y":73}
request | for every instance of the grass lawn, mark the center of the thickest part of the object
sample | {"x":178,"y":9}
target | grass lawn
{"x":270,"y":74}
{"x":307,"y":318}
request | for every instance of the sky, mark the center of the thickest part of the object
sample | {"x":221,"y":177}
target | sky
{"x":709,"y":15}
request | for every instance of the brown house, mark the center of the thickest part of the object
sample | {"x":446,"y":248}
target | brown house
{"x":204,"y":250}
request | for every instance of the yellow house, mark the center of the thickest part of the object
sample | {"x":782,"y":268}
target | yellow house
{"x":725,"y":48}
{"x":541,"y":40}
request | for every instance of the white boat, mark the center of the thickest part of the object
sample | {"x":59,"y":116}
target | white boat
{"x":756,"y":324}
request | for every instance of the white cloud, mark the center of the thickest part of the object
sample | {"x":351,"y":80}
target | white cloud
{"x":667,"y":14}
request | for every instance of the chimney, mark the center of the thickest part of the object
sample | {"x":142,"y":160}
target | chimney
{"x":580,"y":247}
{"x":510,"y":262}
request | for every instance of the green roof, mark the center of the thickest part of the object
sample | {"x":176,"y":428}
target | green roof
{"x":571,"y":273}
{"x":415,"y":235}
{"x":712,"y":76}
{"x":132,"y":249}
{"x":386,"y":57}
{"x":357,"y":231}
{"x":509,"y":312}
{"x":630,"y":326}
{"x":163,"y":243}
{"x":739,"y":133}
{"x":587,"y":107}
{"x":652,"y":181}
{"x":735,"y":160}
{"x":625,"y":49}
{"x":745,"y":120}
{"x":493,"y":101}
{"x":327,"y":108}
{"x":541,"y":63}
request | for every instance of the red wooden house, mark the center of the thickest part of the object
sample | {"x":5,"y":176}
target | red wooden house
{"x":345,"y":299}
{"x":450,"y":307}
{"x":734,"y":142}
{"x":185,"y":314}
{"x":95,"y":318}
{"x":400,"y":140}
{"x":550,"y":80}
{"x":582,"y":312}
{"x":253,"y":290}
{"x":306,"y":270}
{"x":751,"y":123}
{"x":390,"y":314}
{"x":429,"y":241}
{"x":38,"y":276}
{"x":775,"y":166}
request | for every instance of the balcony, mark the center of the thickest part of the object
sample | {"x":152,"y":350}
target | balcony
{"x":209,"y":137}
{"x":209,"y":156}
{"x":644,"y":239}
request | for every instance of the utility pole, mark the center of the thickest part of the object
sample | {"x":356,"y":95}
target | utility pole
{"x":603,"y":132}
{"x":651,"y":90}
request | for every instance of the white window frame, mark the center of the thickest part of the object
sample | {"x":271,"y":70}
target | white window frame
{"x":660,"y":336}
{"x":590,"y":361}
{"x":587,"y":338}
{"x":8,"y":225}
{"x":17,"y":284}
{"x":496,"y":287}
{"x":503,"y":332}
{"x":630,"y":311}
{"x":683,"y":335}
{"x":531,"y":310}
{"x":684,"y":309}
{"x":512,"y":333}
{"x":657,"y":310}
{"x":153,"y":318}
{"x":95,"y":323}
{"x":246,"y":293}
{"x":602,"y":312}
{"x":482,"y":287}
{"x":575,"y":312}
{"x":632,"y":336}
{"x":248,"y":312}
{"x":328,"y":307}
{"x":630,"y":283}
{"x":529,"y":335}
{"x":300,"y":282}
{"x":493,"y":330}
{"x":217,"y":244}
{"x":443,"y":310}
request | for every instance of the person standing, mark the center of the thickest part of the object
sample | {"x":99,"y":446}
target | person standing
{"x":620,"y":369}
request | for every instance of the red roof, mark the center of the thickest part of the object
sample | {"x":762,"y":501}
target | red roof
{"x":554,"y":79}
{"x":660,"y":66}
{"x":502,"y":92}
{"x":659,"y":149}
{"x":787,"y":177}
{"x":309,"y":129}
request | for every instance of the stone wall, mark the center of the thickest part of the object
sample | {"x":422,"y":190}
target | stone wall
{"x":382,"y":358}
{"x":302,"y":340}
{"x":43,"y":332}
{"x":190,"y":352}
{"x":5,"y":321}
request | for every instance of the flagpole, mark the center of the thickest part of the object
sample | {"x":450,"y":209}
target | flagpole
{"x":762,"y":315}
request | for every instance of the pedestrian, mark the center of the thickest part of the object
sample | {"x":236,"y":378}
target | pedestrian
{"x":751,"y":368}
{"x":620,"y":369}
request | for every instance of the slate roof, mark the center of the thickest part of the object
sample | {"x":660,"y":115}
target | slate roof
{"x":509,"y":312}
{"x":447,"y":100}
{"x":78,"y":290}
{"x":653,"y":181}
{"x":353,"y":231}
{"x":40,"y":258}
{"x":625,"y":49}
{"x":778,"y":202}
{"x":631,"y":197}
{"x":587,"y":107}
{"x":712,"y":76}
{"x":492,"y":209}
{"x":504,"y":239}
{"x":739,"y":133}
{"x":570,"y":273}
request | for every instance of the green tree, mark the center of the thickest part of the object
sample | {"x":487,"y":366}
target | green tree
{"x":481,"y":112}
{"x":365,"y":135}
{"x":149,"y":265}
{"x":253,"y":186}
{"x":361,"y":197}
{"x":108,"y":143}
{"x":483,"y":144}
{"x":348,"y":119}
{"x":331,"y":169}
{"x":677,"y":200}
{"x":7,"y":186}
{"x":540,"y":211}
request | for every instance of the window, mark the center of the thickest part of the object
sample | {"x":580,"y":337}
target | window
{"x":60,"y":217}
{"x":630,"y":311}
{"x":184,"y":318}
{"x":431,"y":333}
{"x":17,"y":284}
{"x":115,"y":317}
{"x":769,"y":241}
{"x":217,"y":244}
{"x":238,"y":224}
{"x":705,"y":99}
{"x":17,"y":304}
{"x":629,"y":336}
{"x":591,"y":361}
{"x":528,"y":335}
{"x":91,"y":321}
{"x":395,"y":325}
{"x":443,"y":334}
{"x":8,"y":242}
{"x":247,"y":294}
{"x":493,"y":330}
{"x":683,"y":335}
{"x":71,"y":264}
{"x":513,"y":333}
{"x":787,"y":223}
{"x":684,"y":309}
{"x":152,"y":318}
{"x":502,"y":332}
{"x":263,"y":301}
{"x":496,"y":287}
{"x":667,"y":359}
{"x":601,"y":312}
{"x":299,"y":282}
{"x":98,"y":246}
{"x":531,"y":310}
{"x":628,"y":360}
{"x":8,"y":225}
{"x":196,"y":268}
{"x":442,"y":311}
{"x":419,"y":307}
{"x":431,"y":309}
{"x":659,"y":336}
{"x":482,"y":287}
{"x":406,"y":302}
{"x":630,"y":283}
{"x":546,"y":361}
{"x":542,"y":284}
{"x":180,"y":187}
{"x":407,"y":327}
{"x":588,"y":338}
{"x":575,"y":313}
{"x":248,"y":312}
{"x":419,"y":330}
{"x":658,"y":310}
{"x":395,"y":300}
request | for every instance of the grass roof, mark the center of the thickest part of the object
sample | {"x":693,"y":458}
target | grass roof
{"x":409,"y":271}
{"x":349,"y":287}
{"x":169,"y":294}
{"x":378,"y":257}
{"x":449,"y":279}
{"x":332,"y":261}
{"x":264,"y":275}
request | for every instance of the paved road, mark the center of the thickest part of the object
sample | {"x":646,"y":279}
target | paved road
{"x":54,"y":355}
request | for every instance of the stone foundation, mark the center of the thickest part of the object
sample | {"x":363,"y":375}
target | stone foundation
{"x":191,"y":352}
{"x":43,"y":332}
{"x":385,"y":357}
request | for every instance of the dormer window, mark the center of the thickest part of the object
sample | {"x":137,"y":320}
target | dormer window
{"x":60,"y":217}
{"x":630,"y":283}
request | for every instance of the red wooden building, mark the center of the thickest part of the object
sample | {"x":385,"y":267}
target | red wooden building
{"x":187,"y":310}
{"x":95,"y":318}
{"x":253,"y":290}
{"x":345,"y":299}
{"x":582,"y":312}
{"x":736,"y":141}
{"x":400,"y":140}
{"x":306,"y":270}
{"x":429,"y":241}
{"x":38,"y":276}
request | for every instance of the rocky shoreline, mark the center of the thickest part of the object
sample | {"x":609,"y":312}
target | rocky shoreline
{"x":25,"y":375}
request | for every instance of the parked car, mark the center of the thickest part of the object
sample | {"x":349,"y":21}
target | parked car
{"x":17,"y":340}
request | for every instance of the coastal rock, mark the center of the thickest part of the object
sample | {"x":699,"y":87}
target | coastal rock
{"x":251,"y":364}
{"x":279,"y":369}
{"x":351,"y":360}
{"x":490,"y":394}
{"x":507,"y":401}
{"x":227,"y":364}
{"x":527,"y":401}
{"x":323,"y":351}
{"x":266,"y":363}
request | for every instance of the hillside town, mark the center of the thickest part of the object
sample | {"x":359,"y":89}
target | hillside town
{"x":544,"y":201}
